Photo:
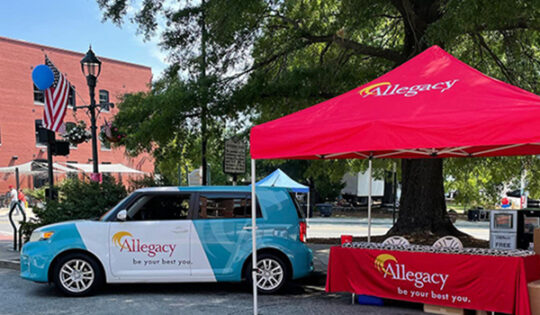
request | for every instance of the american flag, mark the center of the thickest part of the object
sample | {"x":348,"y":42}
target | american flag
{"x":56,"y":98}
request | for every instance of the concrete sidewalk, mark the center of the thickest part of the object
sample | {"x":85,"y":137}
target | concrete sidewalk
{"x":9,"y":258}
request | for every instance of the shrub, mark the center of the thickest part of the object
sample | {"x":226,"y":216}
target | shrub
{"x":78,"y":199}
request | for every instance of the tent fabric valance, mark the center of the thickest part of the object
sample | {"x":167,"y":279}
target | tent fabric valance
{"x":104,"y":168}
{"x":38,"y":168}
{"x":431,"y":106}
{"x":278,"y":178}
{"x":33,"y":168}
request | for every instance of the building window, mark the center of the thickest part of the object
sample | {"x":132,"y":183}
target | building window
{"x":39,"y":96}
{"x":40,"y":181}
{"x":105,"y":145}
{"x":71,"y":97}
{"x":104,"y":99}
{"x":39,"y":125}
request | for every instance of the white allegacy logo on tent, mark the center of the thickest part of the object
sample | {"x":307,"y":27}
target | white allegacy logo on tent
{"x":387,"y":88}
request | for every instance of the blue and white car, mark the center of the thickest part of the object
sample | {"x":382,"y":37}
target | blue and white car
{"x":174,"y":234}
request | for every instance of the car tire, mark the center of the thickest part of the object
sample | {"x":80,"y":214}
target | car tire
{"x":274,"y":273}
{"x":77,"y":275}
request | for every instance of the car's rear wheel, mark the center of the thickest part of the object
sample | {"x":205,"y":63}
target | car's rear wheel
{"x":272,"y":273}
{"x":77,"y":274}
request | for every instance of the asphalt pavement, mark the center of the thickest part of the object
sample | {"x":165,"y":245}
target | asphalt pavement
{"x":306,"y":297}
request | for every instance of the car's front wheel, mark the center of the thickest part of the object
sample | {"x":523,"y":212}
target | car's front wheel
{"x":271,"y":273}
{"x":77,"y":274}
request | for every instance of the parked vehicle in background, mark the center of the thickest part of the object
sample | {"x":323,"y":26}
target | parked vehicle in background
{"x":174,"y":234}
{"x":515,"y":198}
{"x":325,"y":209}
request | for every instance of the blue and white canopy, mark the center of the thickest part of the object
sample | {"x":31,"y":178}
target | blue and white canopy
{"x":279,"y":179}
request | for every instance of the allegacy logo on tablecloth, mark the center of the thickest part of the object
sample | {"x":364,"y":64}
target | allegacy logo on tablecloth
{"x":127,"y":242}
{"x":387,"y":88}
{"x":389,"y":267}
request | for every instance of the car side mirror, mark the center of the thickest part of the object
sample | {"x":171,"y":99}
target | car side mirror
{"x":121,"y":215}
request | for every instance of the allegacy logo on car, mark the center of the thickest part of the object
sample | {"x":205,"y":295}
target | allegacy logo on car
{"x":125,"y":241}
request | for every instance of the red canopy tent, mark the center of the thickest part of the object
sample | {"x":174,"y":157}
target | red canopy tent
{"x":431,"y":106}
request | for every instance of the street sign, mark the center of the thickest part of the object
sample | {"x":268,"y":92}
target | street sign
{"x":60,"y":148}
{"x":234,"y":157}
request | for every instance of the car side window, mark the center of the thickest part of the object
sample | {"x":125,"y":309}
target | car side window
{"x":224,"y":206}
{"x":160,"y":207}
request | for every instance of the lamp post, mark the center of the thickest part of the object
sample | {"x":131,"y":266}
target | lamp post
{"x":91,"y":68}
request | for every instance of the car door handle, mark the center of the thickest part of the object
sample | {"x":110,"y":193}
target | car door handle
{"x":249,"y":227}
{"x":180,"y":230}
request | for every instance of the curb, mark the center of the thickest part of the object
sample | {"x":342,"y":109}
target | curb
{"x":10,"y":264}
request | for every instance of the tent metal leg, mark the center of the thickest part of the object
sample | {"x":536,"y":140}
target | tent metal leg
{"x":369,"y":202}
{"x":308,"y":213}
{"x":254,"y":238}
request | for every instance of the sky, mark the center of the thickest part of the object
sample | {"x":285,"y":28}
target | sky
{"x":73,"y":25}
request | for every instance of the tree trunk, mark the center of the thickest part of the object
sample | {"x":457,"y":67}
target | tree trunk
{"x":422,"y":205}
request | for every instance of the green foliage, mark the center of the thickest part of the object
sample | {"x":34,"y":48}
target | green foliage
{"x":78,"y":199}
{"x":323,"y":177}
{"x":166,"y":122}
{"x":483,"y":181}
{"x":270,"y":58}
{"x":38,"y":193}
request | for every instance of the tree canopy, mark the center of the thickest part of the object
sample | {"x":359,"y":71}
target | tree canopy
{"x":269,"y":58}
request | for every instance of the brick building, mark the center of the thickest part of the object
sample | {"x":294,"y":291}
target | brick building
{"x":21,"y":109}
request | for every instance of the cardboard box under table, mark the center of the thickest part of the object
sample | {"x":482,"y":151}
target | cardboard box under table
{"x":478,"y":282}
{"x":445,"y":310}
{"x":534,"y":297}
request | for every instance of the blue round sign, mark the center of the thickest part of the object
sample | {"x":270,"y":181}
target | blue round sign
{"x":43,"y":77}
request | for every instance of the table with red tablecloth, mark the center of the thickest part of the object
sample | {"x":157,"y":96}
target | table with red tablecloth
{"x":480,"y":282}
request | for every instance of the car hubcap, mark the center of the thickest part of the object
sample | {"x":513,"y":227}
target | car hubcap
{"x":269,"y":274}
{"x":76,"y":275}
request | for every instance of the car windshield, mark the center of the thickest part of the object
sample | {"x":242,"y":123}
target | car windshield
{"x":106,"y":214}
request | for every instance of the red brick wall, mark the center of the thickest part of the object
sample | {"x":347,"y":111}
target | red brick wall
{"x":18,"y":111}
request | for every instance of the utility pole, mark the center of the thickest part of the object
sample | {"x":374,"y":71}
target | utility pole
{"x":204,"y":95}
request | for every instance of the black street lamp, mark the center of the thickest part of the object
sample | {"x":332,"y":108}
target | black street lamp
{"x":91,"y":68}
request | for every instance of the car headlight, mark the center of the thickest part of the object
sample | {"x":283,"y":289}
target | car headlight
{"x":40,"y":235}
